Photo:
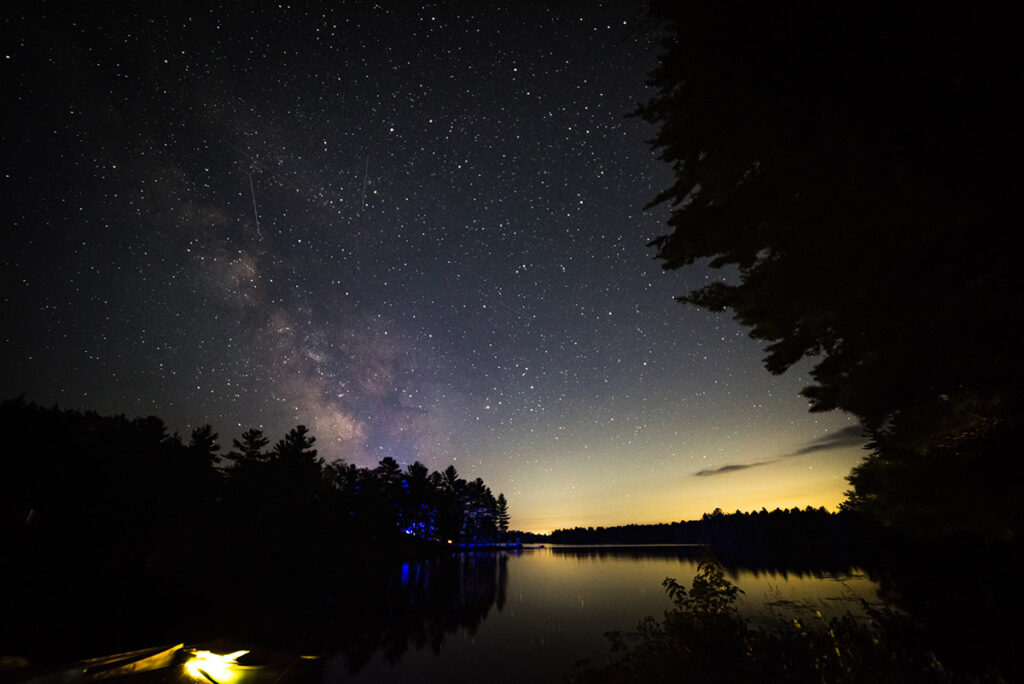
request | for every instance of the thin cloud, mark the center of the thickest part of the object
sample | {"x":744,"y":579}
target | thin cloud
{"x":851,"y":436}
{"x":733,"y":467}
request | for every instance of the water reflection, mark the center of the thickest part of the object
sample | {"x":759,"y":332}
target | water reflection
{"x":636,"y":552}
{"x":817,"y":561}
{"x":535,"y":613}
{"x":423,"y":602}
{"x":518,"y":616}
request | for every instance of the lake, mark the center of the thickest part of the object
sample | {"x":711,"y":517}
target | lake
{"x":531,"y":615}
{"x":498,"y":616}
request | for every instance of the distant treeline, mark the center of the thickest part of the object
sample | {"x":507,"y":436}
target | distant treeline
{"x":757,"y":530}
{"x":98,"y":513}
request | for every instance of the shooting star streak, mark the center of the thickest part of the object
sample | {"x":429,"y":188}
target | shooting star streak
{"x":366,"y":174}
{"x":254,"y":212}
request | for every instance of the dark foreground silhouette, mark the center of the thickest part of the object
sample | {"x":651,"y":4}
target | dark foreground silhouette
{"x":113,"y":529}
{"x":703,"y":638}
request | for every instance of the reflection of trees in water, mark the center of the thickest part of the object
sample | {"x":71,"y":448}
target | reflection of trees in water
{"x":796,"y":560}
{"x":639,"y":552}
{"x":419,"y":604}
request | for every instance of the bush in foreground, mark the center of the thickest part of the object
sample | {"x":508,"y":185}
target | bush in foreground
{"x":703,"y":638}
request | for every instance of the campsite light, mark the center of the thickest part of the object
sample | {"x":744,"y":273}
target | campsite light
{"x":220,"y":669}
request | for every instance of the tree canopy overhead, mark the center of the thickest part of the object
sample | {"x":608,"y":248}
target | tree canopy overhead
{"x":856,"y":163}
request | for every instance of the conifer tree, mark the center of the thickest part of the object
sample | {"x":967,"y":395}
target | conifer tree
{"x":501,"y":514}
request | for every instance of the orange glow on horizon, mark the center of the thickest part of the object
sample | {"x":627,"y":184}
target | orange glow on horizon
{"x":785,"y":501}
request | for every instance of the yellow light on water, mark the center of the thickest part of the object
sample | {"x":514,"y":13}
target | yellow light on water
{"x":214,"y":667}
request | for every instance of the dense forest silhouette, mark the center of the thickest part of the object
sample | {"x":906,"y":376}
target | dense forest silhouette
{"x":108,"y":519}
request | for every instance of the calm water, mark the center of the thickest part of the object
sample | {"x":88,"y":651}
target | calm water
{"x":530,"y":616}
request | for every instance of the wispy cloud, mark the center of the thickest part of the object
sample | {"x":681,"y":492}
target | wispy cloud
{"x":851,"y":436}
{"x":731,"y":468}
{"x":847,"y":437}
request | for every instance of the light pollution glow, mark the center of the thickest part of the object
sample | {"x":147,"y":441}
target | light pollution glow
{"x":635,"y":493}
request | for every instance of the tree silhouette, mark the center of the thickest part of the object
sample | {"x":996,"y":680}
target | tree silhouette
{"x":250,"y":448}
{"x":452,"y":482}
{"x":451,"y":513}
{"x":389,"y":475}
{"x":295,"y":462}
{"x":418,"y":515}
{"x":501,"y":514}
{"x":478,"y":506}
{"x":297,"y":446}
{"x":385,"y":487}
{"x":852,"y":164}
{"x":203,"y":443}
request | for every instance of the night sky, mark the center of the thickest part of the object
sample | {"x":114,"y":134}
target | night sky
{"x":416,"y":228}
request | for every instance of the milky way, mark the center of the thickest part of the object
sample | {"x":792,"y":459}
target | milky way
{"x":420,"y":231}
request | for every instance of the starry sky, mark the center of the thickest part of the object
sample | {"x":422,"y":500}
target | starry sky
{"x":417,"y":228}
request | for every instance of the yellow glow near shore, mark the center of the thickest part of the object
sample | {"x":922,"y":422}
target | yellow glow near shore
{"x":222,"y":669}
